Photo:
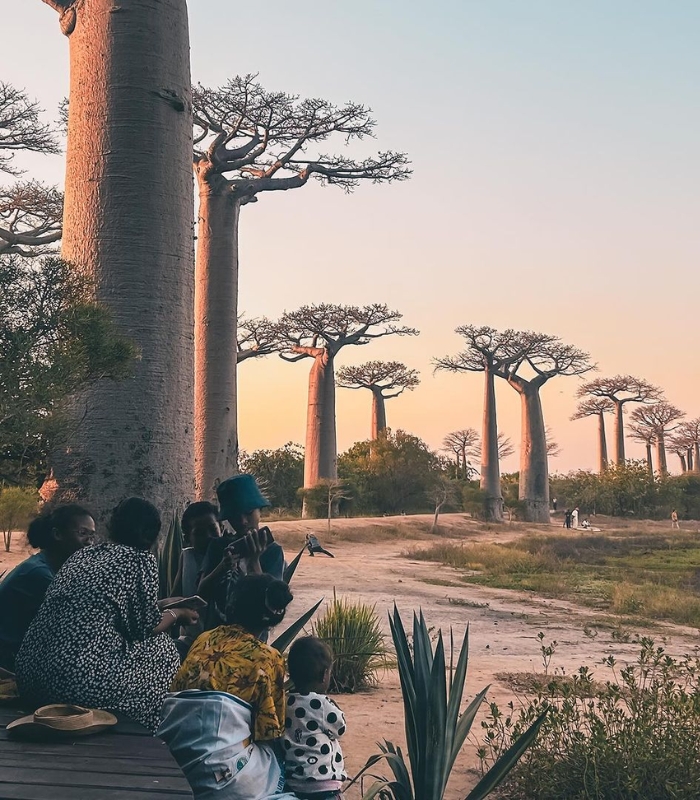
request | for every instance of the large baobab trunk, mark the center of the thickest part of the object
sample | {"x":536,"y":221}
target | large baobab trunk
{"x":490,"y":468}
{"x":661,"y":453}
{"x":602,"y":445}
{"x":619,"y":433}
{"x":378,"y":414}
{"x":650,"y":463}
{"x":696,"y":457}
{"x":534,"y":473}
{"x":216,"y":309}
{"x":684,"y":463}
{"x":128,"y":225}
{"x":321,"y":456}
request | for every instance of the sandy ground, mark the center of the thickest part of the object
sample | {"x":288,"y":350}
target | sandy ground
{"x":371,"y":565}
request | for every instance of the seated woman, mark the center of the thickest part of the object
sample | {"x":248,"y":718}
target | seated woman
{"x":98,"y":639}
{"x":57,"y":534}
{"x":225,"y":721}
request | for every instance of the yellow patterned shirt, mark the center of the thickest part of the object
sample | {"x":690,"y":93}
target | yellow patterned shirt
{"x":229,"y":659}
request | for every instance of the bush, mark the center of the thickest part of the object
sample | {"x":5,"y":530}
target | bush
{"x":359,"y":648}
{"x":635,"y":736}
{"x":17,"y":507}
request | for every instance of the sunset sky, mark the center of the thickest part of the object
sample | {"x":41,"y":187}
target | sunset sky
{"x":556,"y":187}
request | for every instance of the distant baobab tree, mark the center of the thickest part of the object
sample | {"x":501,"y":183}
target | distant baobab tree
{"x":257,"y":337}
{"x":21,"y":128}
{"x":547,"y":357}
{"x":385,"y":379}
{"x":646,"y":436}
{"x":659,"y":419}
{"x":249,"y":141}
{"x":462,"y":443}
{"x":689,"y":433}
{"x":31,"y":217}
{"x":621,"y":390}
{"x":489,"y":351}
{"x":597,"y":407}
{"x":319,"y":332}
{"x":127,"y":225}
{"x":678,"y":446}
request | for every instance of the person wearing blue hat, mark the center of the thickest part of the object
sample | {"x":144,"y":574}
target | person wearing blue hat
{"x":249,"y":550}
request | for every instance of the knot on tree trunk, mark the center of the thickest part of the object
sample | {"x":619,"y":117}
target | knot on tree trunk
{"x":67,"y":20}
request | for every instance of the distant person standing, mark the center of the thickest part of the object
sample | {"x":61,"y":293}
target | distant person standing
{"x":554,"y":505}
{"x":574,"y":518}
{"x":567,"y":518}
{"x":674,"y":520}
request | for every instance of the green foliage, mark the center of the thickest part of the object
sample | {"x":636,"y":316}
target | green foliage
{"x":279,"y":472}
{"x":634,"y":737}
{"x":17,"y":507}
{"x":629,"y":490}
{"x":391,"y":475}
{"x":435,"y":729}
{"x":169,"y":554}
{"x":55,"y":341}
{"x":353,"y":633}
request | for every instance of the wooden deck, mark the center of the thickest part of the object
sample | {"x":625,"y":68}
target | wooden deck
{"x":125,"y":763}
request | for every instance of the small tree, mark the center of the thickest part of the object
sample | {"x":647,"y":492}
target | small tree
{"x":658,"y":419}
{"x":319,"y":332}
{"x":621,"y":390}
{"x":17,"y":506}
{"x":463,"y":443}
{"x":442,"y":491}
{"x":597,"y":407}
{"x":280,"y":472}
{"x":385,"y":379}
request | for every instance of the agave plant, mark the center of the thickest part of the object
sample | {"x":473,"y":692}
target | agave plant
{"x":435,"y":729}
{"x":169,"y":556}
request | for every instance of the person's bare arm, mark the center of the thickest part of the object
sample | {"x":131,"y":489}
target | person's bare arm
{"x":183,"y":616}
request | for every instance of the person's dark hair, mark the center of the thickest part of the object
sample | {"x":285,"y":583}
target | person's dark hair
{"x":135,"y":522}
{"x":258,"y":602}
{"x":59,"y":518}
{"x":194,"y":510}
{"x":309,"y":658}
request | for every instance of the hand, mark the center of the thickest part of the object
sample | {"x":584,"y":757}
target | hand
{"x":231,"y":558}
{"x":186,"y":616}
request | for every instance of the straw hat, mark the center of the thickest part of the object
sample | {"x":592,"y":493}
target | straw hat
{"x":63,"y":721}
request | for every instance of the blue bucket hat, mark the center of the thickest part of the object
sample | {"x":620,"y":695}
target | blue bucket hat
{"x":239,"y":495}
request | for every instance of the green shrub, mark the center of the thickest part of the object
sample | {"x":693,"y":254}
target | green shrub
{"x":634,"y":737}
{"x":359,"y":648}
{"x":17,"y":507}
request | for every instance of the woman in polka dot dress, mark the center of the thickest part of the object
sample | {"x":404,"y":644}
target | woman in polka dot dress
{"x":313,"y":758}
{"x":98,"y":639}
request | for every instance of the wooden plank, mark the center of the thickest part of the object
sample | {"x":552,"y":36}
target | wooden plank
{"x":28,"y":792}
{"x":119,"y":745}
{"x":80,"y":762}
{"x":36,"y":774}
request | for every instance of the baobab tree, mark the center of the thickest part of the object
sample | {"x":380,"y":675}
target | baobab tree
{"x":127,"y":226}
{"x":319,"y":332}
{"x":679,"y":448}
{"x":489,"y":351}
{"x":257,"y":337}
{"x":547,"y":357}
{"x":646,"y":436}
{"x":385,"y":379}
{"x":597,"y":407}
{"x":21,"y":128}
{"x":658,"y":418}
{"x":30,"y":219}
{"x":249,"y":141}
{"x":462,"y":443}
{"x":621,"y":390}
{"x":689,"y":431}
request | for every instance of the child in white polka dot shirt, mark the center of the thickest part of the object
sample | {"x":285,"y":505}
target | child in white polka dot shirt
{"x":313,"y":758}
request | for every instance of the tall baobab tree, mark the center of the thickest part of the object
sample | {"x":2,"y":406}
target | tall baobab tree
{"x":462,"y":443}
{"x":127,"y":225}
{"x":689,"y":431}
{"x":547,"y":357}
{"x":319,"y":332}
{"x":489,"y":351}
{"x":385,"y":379}
{"x":597,"y":407}
{"x":30,"y":219}
{"x":646,"y":436}
{"x":658,"y":418}
{"x":621,"y":390}
{"x":249,"y":141}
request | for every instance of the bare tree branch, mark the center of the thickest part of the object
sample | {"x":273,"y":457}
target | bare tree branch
{"x":30,"y":219}
{"x":20,"y":127}
{"x":257,"y":337}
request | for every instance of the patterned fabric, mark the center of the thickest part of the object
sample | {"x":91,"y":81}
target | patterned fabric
{"x":314,"y":759}
{"x":229,"y":659}
{"x":91,"y":642}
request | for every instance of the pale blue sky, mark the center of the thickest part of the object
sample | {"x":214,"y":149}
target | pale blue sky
{"x":556,"y":187}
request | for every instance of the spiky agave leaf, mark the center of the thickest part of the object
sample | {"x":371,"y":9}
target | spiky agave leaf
{"x":169,"y":556}
{"x":283,"y":641}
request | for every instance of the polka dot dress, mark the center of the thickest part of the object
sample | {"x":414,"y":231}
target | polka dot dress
{"x":313,"y":725}
{"x":91,"y":642}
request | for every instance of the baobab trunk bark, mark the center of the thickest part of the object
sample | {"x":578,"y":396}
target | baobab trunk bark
{"x":690,"y":457}
{"x":128,"y":226}
{"x":321,"y":455}
{"x":661,"y":454}
{"x":696,"y":457}
{"x":650,"y":463}
{"x":619,"y":433}
{"x":684,"y":463}
{"x":534,"y":473}
{"x":602,"y":445}
{"x":490,"y":468}
{"x":378,"y":414}
{"x":215,"y":332}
